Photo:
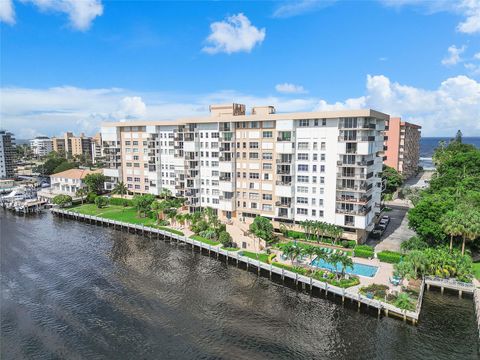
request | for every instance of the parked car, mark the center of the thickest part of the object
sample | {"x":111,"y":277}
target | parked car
{"x":385,"y":218}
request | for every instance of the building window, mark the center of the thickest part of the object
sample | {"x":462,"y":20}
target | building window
{"x":267,"y":196}
{"x":253,"y":155}
{"x":322,"y":180}
{"x":322,"y":168}
{"x":302,"y":189}
{"x":267,"y":134}
{"x":301,"y":211}
{"x":303,"y":146}
{"x":322,"y":145}
{"x":267,"y":156}
{"x":302,"y":156}
{"x":253,"y":145}
{"x":302,"y":179}
{"x":322,"y":157}
{"x":302,"y":200}
{"x":254,"y":176}
{"x":302,"y":167}
{"x":267,"y":166}
{"x":303,"y":123}
{"x":267,"y":207}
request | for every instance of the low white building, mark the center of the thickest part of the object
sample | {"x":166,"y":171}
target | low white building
{"x":66,"y":183}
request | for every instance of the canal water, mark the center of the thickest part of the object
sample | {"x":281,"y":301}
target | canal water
{"x":70,"y":290}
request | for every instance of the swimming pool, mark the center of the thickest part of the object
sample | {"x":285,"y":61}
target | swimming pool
{"x":358,"y":269}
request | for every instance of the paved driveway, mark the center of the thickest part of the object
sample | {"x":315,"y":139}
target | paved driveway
{"x":397,"y":230}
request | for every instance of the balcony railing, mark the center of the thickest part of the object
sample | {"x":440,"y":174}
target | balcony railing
{"x":284,"y":161}
{"x":360,"y":212}
{"x":283,"y":204}
{"x":352,"y":176}
{"x":348,"y":199}
{"x":283,"y":183}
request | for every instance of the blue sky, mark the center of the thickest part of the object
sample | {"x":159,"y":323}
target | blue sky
{"x":69,"y":67}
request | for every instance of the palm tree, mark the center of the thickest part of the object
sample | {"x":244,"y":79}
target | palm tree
{"x":334,"y":259}
{"x":120,"y":189}
{"x":81,"y":193}
{"x":418,"y":260}
{"x":472,"y":228}
{"x":346,"y":262}
{"x":165,"y":193}
{"x":283,"y":229}
{"x":180,"y":218}
{"x":337,"y":233}
{"x":451,"y":225}
{"x":309,"y":251}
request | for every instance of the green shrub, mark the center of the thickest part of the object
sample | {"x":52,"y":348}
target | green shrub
{"x":120,"y":202}
{"x":390,"y":257}
{"x":101,"y":201}
{"x":91,"y":198}
{"x":363,"y":251}
{"x":295,"y":234}
{"x":348,"y":244}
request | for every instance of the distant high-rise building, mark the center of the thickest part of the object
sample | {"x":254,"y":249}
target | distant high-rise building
{"x":7,"y":142}
{"x":41,"y":146}
{"x":96,"y":147}
{"x":71,"y":145}
{"x":403,"y":146}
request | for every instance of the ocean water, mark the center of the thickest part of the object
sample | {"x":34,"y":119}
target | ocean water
{"x":428,"y":145}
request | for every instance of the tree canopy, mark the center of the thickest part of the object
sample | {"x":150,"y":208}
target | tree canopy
{"x":95,"y":182}
{"x":262,"y":228}
{"x":449,"y":208}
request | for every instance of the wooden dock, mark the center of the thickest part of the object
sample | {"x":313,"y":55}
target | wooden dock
{"x":304,"y":281}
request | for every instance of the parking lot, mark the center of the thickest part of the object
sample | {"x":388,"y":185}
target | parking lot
{"x":396,"y":232}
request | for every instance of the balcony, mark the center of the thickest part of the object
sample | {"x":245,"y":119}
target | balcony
{"x":362,"y":187}
{"x":350,"y":223}
{"x":283,"y":183}
{"x":352,"y":176}
{"x":283,"y":204}
{"x":284,"y":161}
{"x":353,"y":199}
{"x":360,"y":212}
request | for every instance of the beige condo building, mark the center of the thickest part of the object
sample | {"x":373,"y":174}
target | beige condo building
{"x":288,"y":167}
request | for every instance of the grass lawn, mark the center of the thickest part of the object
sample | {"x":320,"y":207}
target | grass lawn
{"x":256,"y":256}
{"x":476,"y":270}
{"x":120,"y":213}
{"x":230,"y":248}
{"x":204,"y":240}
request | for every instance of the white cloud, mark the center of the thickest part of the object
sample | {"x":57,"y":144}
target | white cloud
{"x":454,"y":105}
{"x":131,"y":107}
{"x":7,"y":14}
{"x":293,"y":8}
{"x":235,"y":34}
{"x":453,"y":55}
{"x":477,"y":56}
{"x":81,"y":13}
{"x":288,"y":88}
{"x":474,"y":69}
{"x":469,"y":9}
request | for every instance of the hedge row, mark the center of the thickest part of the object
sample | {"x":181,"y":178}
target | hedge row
{"x":120,"y":201}
{"x":388,"y":256}
{"x":363,"y":251}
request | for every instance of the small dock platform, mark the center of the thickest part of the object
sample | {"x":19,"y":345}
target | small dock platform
{"x":260,"y":267}
{"x":450,"y":284}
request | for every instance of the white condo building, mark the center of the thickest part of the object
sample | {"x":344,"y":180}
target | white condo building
{"x":41,"y":146}
{"x":288,"y":167}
